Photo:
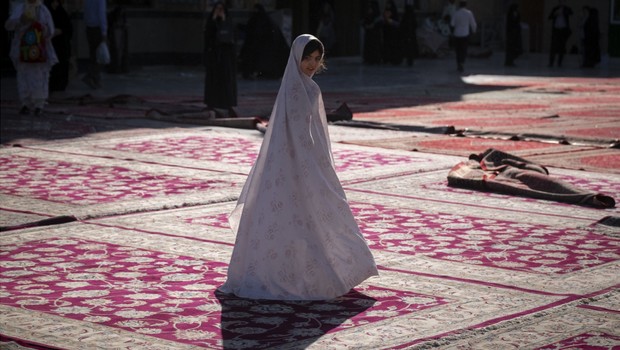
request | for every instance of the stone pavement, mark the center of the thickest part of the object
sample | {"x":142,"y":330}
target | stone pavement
{"x":530,"y":102}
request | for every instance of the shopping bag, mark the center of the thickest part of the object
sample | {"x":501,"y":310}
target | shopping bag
{"x":103,"y":54}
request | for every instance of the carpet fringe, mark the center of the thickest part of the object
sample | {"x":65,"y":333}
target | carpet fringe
{"x":91,"y":216}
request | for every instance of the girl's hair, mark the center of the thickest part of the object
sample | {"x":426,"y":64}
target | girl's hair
{"x":311,"y":46}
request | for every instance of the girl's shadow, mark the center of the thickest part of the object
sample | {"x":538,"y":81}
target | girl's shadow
{"x":260,"y":324}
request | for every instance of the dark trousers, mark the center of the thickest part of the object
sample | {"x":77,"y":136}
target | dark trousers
{"x":94,"y":38}
{"x":559,"y":37}
{"x":460,"y":47}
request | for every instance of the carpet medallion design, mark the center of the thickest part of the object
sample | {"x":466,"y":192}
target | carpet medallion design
{"x":173,"y":297}
{"x":56,"y":181}
{"x":473,"y":240}
{"x":219,"y":151}
{"x":86,"y":186}
{"x":154,"y":286}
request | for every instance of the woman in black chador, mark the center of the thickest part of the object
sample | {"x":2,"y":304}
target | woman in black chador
{"x":220,"y":60}
{"x":514,"y":47}
{"x":371,"y":23}
{"x":591,"y":34}
{"x":560,"y":31}
{"x":264,"y":52}
{"x":63,"y":31}
{"x":392,"y":39}
{"x":409,"y":26}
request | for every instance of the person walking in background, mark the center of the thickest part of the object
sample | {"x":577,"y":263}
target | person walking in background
{"x":560,"y":31}
{"x":514,"y":45}
{"x":590,"y":38}
{"x":220,"y":61}
{"x":59,"y":75}
{"x":296,"y":237}
{"x":409,"y":26}
{"x":96,"y":21}
{"x":32,"y":53}
{"x":463,"y":24}
{"x":371,"y":24}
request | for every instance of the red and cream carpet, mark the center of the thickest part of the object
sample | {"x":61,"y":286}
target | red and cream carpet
{"x":139,"y":269}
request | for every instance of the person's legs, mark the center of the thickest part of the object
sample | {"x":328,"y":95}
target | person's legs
{"x":93,"y":75}
{"x":556,"y":46}
{"x":562,"y":46}
{"x":22,"y":90}
{"x":33,"y":86}
{"x":40,"y":87}
{"x":460,"y":46}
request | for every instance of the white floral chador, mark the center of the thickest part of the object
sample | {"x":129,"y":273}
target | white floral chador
{"x":296,"y":236}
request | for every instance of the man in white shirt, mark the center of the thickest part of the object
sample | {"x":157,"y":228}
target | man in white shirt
{"x":463,"y":24}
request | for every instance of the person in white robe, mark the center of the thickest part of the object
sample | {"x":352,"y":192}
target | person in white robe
{"x":296,"y":238}
{"x":32,"y":77}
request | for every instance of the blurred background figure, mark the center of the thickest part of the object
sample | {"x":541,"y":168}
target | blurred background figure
{"x":264,"y":51}
{"x":392,"y":50}
{"x":32,"y":53}
{"x":514,"y":45}
{"x":464,"y":25}
{"x":220,"y":61}
{"x":409,"y":26}
{"x":446,"y":18}
{"x":326,"y":32}
{"x":371,"y":24}
{"x":96,"y":21}
{"x":59,"y":75}
{"x":560,"y":31}
{"x":590,"y":38}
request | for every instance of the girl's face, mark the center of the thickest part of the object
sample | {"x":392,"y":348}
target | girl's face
{"x":311,"y":63}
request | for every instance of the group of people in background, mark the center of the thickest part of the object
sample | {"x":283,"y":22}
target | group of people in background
{"x":388,"y":37}
{"x":392,"y":39}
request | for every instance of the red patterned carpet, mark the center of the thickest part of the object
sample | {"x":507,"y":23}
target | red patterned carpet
{"x":140,"y":267}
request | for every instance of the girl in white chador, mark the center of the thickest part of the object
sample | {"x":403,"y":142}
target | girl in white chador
{"x":32,"y":53}
{"x":296,"y":236}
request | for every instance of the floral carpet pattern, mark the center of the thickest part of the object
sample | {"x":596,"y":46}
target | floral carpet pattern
{"x":459,"y":269}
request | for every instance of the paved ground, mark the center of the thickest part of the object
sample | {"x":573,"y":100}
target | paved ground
{"x":427,"y":82}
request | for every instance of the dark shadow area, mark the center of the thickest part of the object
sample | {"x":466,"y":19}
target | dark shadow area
{"x":84,"y":115}
{"x":161,"y":97}
{"x":262,"y":324}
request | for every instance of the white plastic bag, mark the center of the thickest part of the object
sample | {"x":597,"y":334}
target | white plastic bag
{"x":103,"y":54}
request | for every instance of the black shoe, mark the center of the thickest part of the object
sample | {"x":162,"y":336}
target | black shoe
{"x":38,"y":112}
{"x":24,"y":110}
{"x":90,"y":82}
